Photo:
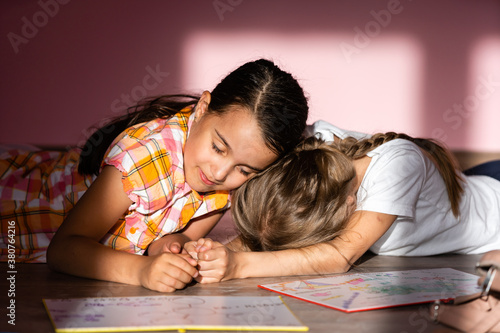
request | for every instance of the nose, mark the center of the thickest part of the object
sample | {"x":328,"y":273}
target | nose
{"x":220,"y":171}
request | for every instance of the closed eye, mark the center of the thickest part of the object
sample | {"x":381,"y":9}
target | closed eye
{"x":216,"y":149}
{"x":244,"y":173}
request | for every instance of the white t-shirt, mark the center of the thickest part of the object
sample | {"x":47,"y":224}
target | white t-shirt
{"x":402,"y":181}
{"x":326,"y":131}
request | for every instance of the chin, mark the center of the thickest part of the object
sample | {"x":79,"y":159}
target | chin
{"x":199,"y":187}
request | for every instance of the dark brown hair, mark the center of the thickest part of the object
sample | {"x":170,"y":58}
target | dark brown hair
{"x":271,"y":94}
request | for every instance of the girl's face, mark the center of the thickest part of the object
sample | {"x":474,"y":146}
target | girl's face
{"x":223,"y":152}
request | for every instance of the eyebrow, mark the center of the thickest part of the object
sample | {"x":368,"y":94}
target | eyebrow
{"x":229,"y":147}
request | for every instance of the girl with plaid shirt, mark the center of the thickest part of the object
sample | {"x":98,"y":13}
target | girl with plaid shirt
{"x":151,"y":180}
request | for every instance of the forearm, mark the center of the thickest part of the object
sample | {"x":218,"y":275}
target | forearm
{"x":317,"y":259}
{"x":336,"y":256}
{"x":75,"y":248}
{"x":80,"y":256}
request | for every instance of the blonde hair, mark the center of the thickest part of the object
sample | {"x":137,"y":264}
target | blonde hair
{"x":302,"y":199}
{"x":296,"y":202}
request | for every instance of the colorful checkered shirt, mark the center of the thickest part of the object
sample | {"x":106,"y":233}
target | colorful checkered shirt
{"x":150,"y":157}
{"x":39,"y":188}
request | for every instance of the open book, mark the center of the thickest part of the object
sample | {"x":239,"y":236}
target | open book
{"x":369,"y":291}
{"x":171,"y":313}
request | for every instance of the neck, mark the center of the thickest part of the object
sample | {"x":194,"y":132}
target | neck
{"x":360,"y":166}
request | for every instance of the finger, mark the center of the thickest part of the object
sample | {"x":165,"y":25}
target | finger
{"x":216,"y":264}
{"x":162,"y":287}
{"x":207,"y":279}
{"x":165,"y":249}
{"x":205,"y":245}
{"x":192,"y":253}
{"x":211,"y":244}
{"x":190,"y":244}
{"x":495,"y":284}
{"x":189,"y":254}
{"x":176,"y":262}
{"x":199,"y":244}
{"x":170,"y":284}
{"x":175,"y":247}
{"x":190,"y":248}
{"x":177,"y":277}
{"x":169,"y":281}
{"x":210,"y":255}
{"x":210,"y":275}
{"x":202,"y":241}
{"x":193,"y":262}
{"x":189,"y":266}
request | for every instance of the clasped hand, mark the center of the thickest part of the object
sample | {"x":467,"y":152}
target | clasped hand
{"x":209,"y":260}
{"x":215,"y":261}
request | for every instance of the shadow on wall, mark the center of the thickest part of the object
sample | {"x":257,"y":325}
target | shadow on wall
{"x":428,"y":68}
{"x":379,"y":66}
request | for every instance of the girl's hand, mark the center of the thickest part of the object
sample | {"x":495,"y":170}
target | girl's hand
{"x":488,"y":259}
{"x":201,"y":245}
{"x":172,"y":243}
{"x":216,"y":262}
{"x":167,"y":272}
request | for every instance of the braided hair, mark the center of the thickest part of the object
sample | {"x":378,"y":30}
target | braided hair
{"x":444,"y":160}
{"x":302,"y":199}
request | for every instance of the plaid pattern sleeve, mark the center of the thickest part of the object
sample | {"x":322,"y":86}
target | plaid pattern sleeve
{"x":150,"y":157}
{"x":37,"y":190}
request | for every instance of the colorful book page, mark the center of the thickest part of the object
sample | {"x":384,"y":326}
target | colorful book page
{"x":171,"y":313}
{"x":369,"y":291}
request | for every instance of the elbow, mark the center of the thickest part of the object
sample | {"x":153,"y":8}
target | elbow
{"x":333,"y":268}
{"x":336,"y":263}
{"x":340,"y":268}
{"x":50,"y":255}
{"x":345,"y":268}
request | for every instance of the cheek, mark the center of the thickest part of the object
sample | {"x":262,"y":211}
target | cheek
{"x":187,"y":155}
{"x":194,"y":153}
{"x":236,"y":181}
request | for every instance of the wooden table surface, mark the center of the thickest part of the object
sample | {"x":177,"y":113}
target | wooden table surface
{"x":33,"y":282}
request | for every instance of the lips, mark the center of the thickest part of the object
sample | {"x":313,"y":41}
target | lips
{"x":205,"y":180}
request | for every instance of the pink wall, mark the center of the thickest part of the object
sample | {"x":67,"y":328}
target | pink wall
{"x":428,"y":67}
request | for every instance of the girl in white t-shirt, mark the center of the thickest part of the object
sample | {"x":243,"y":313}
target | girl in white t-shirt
{"x":327,"y":203}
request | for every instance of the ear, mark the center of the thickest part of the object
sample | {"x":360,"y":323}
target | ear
{"x":202,"y":105}
{"x":351,"y":200}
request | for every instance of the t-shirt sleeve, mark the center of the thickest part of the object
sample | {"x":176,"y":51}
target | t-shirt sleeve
{"x":144,"y":167}
{"x":393,"y":182}
{"x":327,"y":131}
